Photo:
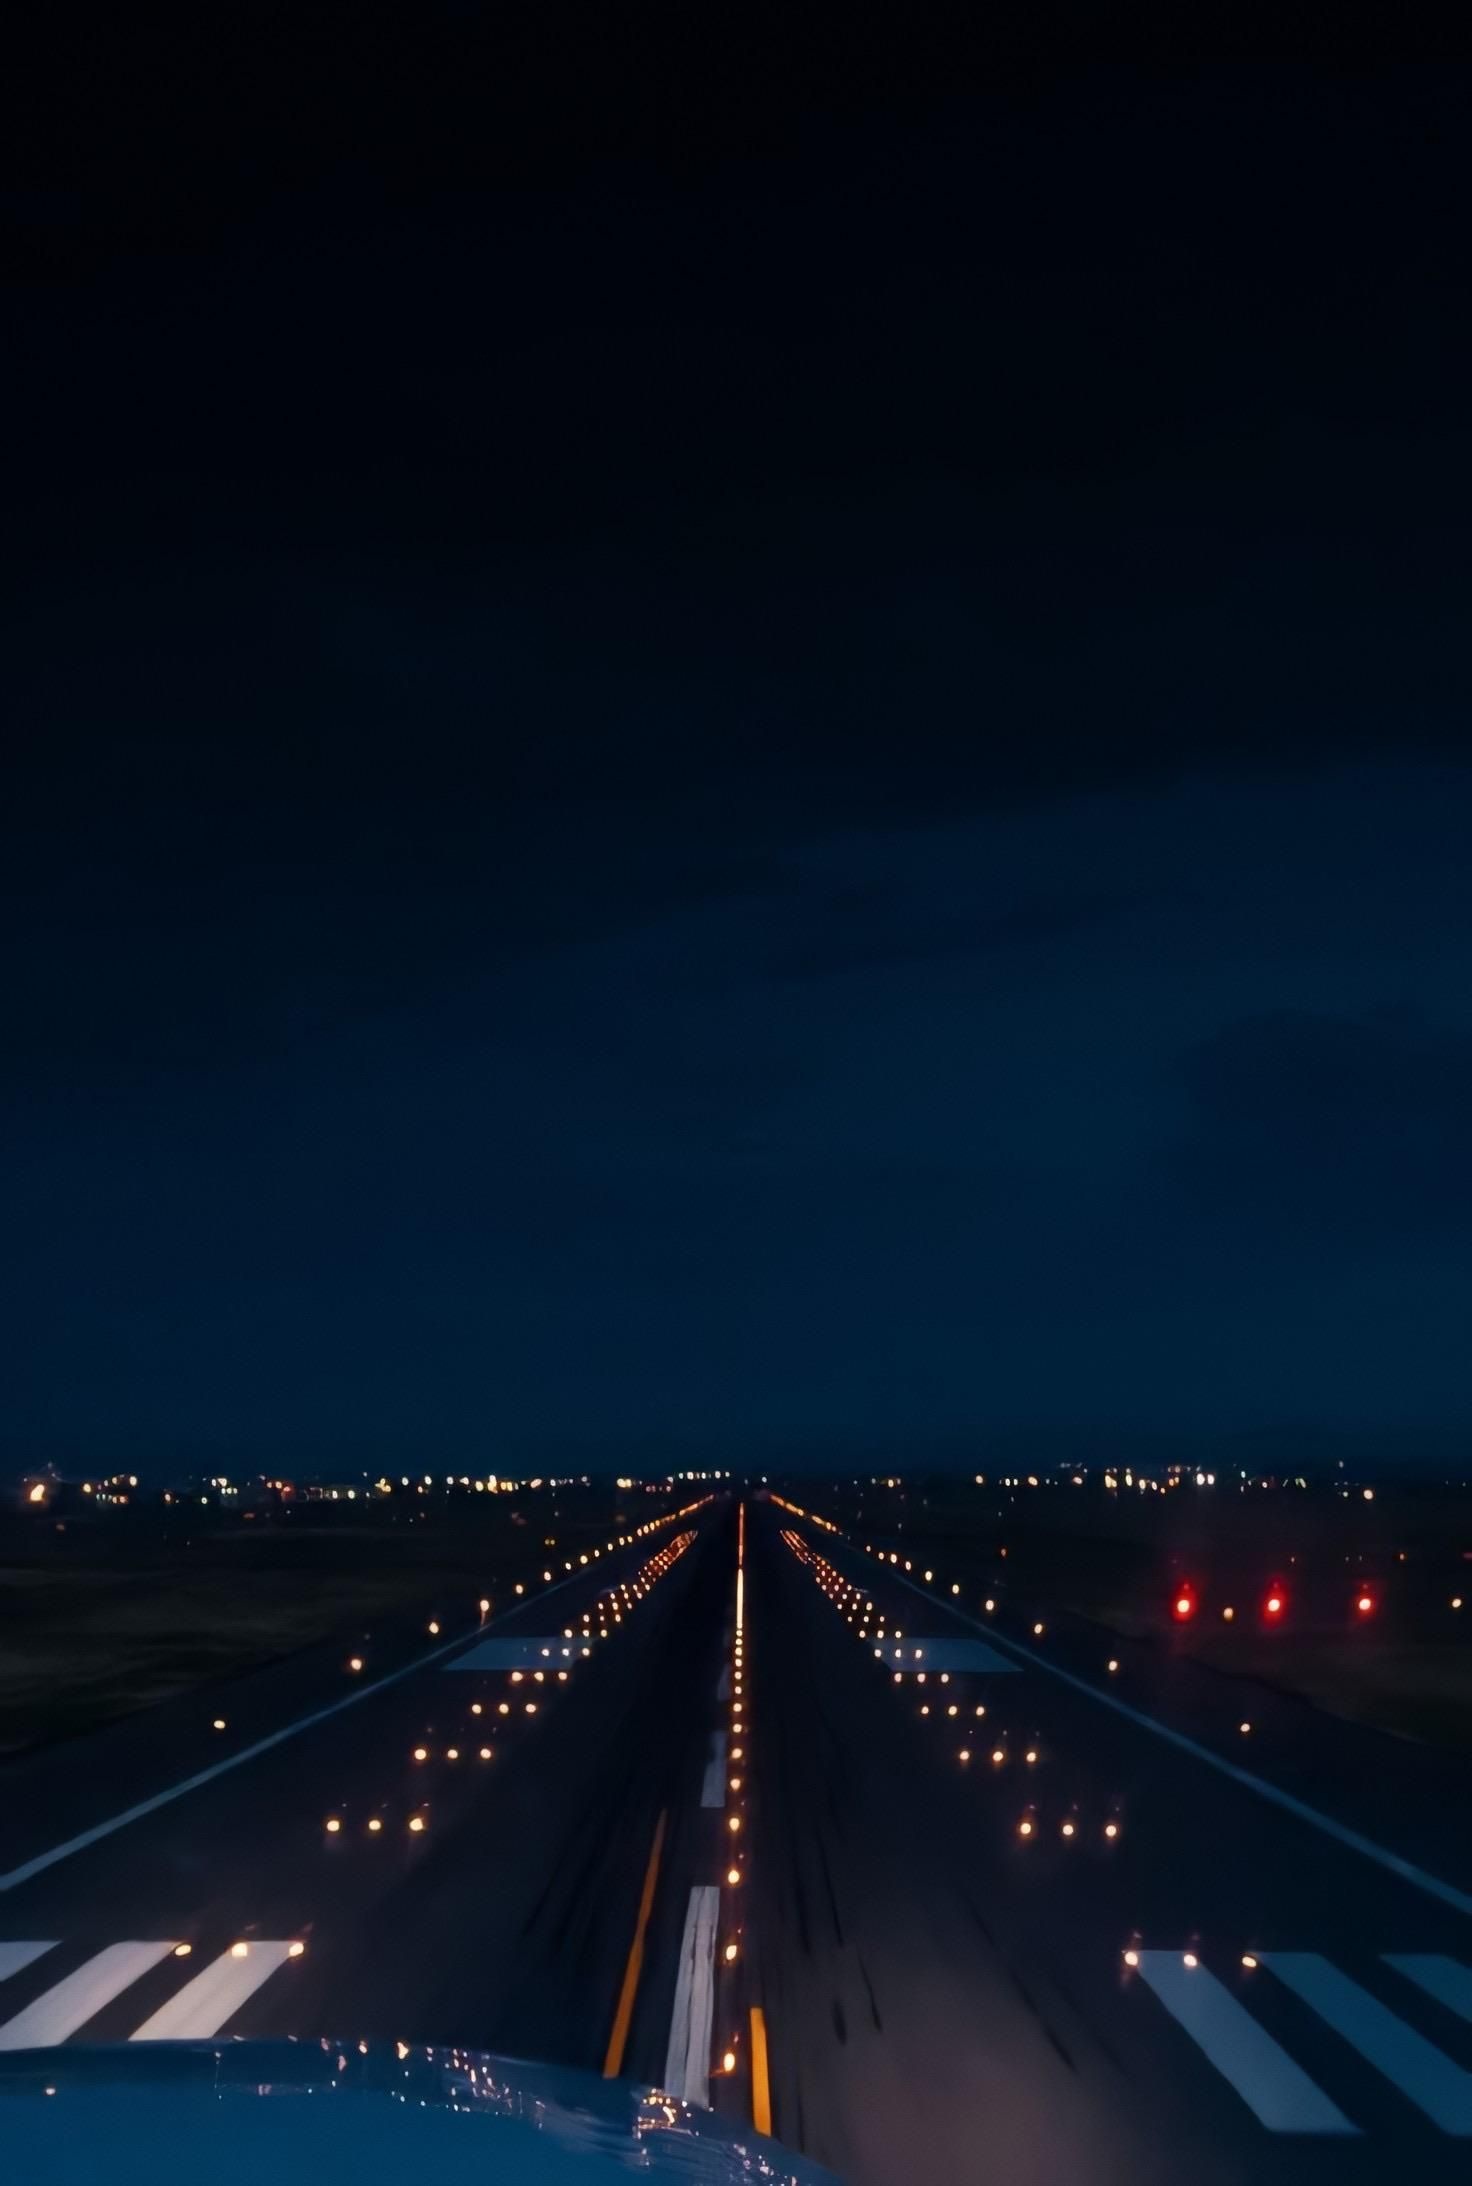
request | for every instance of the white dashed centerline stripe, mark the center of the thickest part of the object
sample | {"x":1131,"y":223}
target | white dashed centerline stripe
{"x":15,"y":1957}
{"x":1278,"y":2094}
{"x":215,"y":1994}
{"x":1425,"y":2076}
{"x":687,"y":2062}
{"x":78,"y":1998}
{"x":713,"y":1790}
{"x":1442,"y":1978}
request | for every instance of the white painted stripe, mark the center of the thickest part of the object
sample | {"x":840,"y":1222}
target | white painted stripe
{"x":214,"y":1995}
{"x":1406,"y":1869}
{"x":713,"y":1790}
{"x":687,"y":2062}
{"x":952,"y":1654}
{"x":1278,"y":2094}
{"x":95,"y":1835}
{"x":15,"y":1957}
{"x":723,"y":1683}
{"x":512,"y":1651}
{"x":72,"y":2002}
{"x":1443,"y":1978}
{"x":1417,"y":2067}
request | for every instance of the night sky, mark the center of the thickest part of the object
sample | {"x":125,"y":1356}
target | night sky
{"x":731,"y":749}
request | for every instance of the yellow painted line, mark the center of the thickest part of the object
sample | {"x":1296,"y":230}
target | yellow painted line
{"x":618,"y":2040}
{"x":761,"y":2093}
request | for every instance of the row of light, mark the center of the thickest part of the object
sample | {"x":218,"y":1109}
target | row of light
{"x":1365,"y":1602}
{"x":356,"y":1664}
{"x":736,"y":1753}
{"x":1249,"y":1960}
{"x":856,"y":1607}
{"x":622,"y":1596}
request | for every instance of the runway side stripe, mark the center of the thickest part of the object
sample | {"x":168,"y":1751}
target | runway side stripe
{"x":1392,"y":1862}
{"x":1442,"y":1978}
{"x":713,"y":1790}
{"x":15,"y":1957}
{"x":687,"y":2062}
{"x":1278,"y":2094}
{"x":1428,"y":2078}
{"x":95,"y":1835}
{"x":78,"y":1998}
{"x":215,"y":1994}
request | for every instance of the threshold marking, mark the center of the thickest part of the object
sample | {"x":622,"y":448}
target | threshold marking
{"x":215,"y":1994}
{"x":1425,"y":2076}
{"x":15,"y":1957}
{"x":78,"y":1998}
{"x":1442,"y":1978}
{"x":1279,"y":2095}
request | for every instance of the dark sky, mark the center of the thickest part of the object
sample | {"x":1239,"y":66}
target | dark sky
{"x":731,"y":746}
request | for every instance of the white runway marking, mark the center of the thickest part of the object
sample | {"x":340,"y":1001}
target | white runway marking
{"x":1443,"y":1978}
{"x":1278,"y":2094}
{"x":687,"y":2062}
{"x":78,"y":1998}
{"x":713,"y":1790}
{"x":951,"y":1654}
{"x":214,"y":1995}
{"x":723,"y":1683}
{"x":542,"y":1652}
{"x":1432,"y":2081}
{"x":15,"y":1957}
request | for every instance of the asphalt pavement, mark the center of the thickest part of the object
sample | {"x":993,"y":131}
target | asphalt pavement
{"x":744,"y":1813}
{"x":451,"y":1849}
{"x":1015,"y":1924}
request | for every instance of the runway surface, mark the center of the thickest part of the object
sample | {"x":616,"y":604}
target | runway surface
{"x":743,"y":1812}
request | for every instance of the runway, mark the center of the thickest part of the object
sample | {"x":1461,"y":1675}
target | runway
{"x":744,"y":1813}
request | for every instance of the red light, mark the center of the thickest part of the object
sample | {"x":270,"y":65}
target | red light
{"x":1275,"y":1603}
{"x":1185,"y":1606}
{"x":1366,"y":1605}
